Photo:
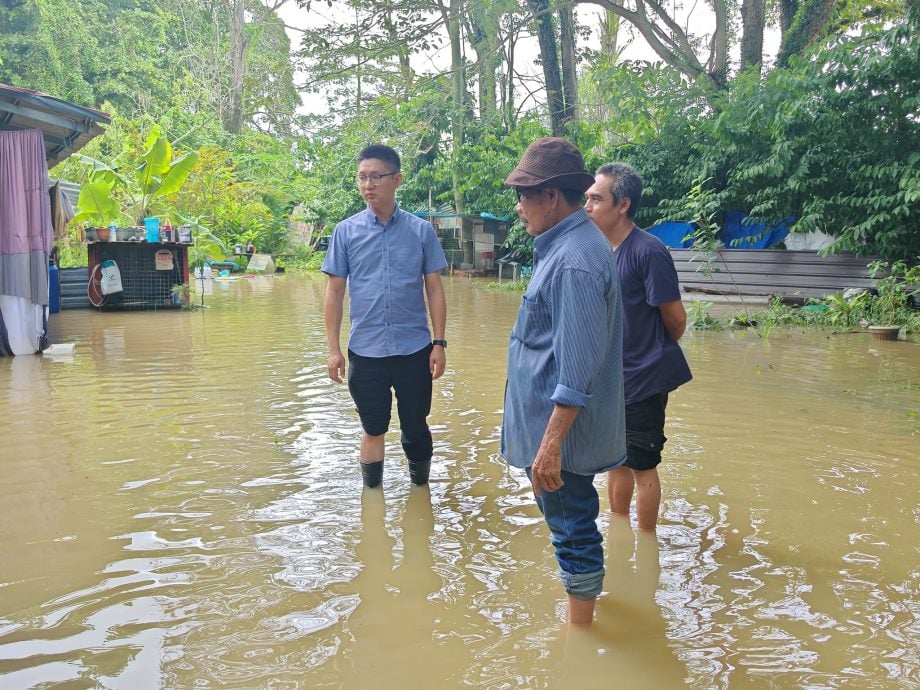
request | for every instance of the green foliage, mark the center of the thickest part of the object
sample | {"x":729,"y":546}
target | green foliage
{"x":894,"y":285}
{"x":832,"y":140}
{"x":699,"y":318}
{"x":306,"y":260}
{"x":519,"y":285}
{"x":231,"y":207}
{"x":133,"y":186}
{"x":72,"y":252}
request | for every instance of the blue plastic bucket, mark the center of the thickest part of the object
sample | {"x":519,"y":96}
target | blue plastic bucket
{"x":152,"y":227}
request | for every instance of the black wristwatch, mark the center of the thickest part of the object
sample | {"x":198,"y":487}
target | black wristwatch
{"x":439,"y":341}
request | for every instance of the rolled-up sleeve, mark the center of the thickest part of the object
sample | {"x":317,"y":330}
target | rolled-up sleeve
{"x":580,"y":335}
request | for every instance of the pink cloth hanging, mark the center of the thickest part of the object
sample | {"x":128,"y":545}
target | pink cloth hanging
{"x":25,"y":241}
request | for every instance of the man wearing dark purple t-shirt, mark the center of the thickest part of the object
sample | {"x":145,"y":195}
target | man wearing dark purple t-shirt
{"x":654,"y":320}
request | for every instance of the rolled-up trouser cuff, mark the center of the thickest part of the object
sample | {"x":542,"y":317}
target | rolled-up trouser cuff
{"x":583,"y":585}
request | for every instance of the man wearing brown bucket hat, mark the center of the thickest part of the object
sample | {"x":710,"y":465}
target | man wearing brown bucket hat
{"x":564,"y":419}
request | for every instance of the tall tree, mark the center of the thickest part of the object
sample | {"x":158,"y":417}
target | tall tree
{"x":753,"y":16}
{"x":806,"y":25}
{"x":549,"y":56}
{"x":239,"y":42}
{"x":451,"y":13}
{"x":482,"y":22}
{"x":569,"y":69}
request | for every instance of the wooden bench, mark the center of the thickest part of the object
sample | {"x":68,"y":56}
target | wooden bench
{"x":791,"y":275}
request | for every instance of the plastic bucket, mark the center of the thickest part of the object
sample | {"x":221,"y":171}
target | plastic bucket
{"x":152,"y":227}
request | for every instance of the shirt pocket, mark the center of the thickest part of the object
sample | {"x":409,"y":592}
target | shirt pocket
{"x":534,"y":322}
{"x":406,"y":259}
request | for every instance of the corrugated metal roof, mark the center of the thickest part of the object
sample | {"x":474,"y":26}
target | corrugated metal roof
{"x":66,"y":127}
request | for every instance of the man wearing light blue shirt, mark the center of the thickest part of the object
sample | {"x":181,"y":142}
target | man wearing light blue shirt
{"x":389,"y":261}
{"x":564,"y":414}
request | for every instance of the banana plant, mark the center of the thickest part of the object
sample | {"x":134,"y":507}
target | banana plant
{"x":155,"y":175}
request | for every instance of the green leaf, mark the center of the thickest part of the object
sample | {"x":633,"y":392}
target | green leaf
{"x":95,"y":202}
{"x":178,"y":173}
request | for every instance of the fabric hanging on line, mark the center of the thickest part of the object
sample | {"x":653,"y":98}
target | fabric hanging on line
{"x":25,"y":242}
{"x":61,"y":211}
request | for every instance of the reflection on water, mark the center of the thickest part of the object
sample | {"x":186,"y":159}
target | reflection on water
{"x":181,"y":507}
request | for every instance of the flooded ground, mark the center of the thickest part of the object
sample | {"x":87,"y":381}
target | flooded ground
{"x":180,"y":508}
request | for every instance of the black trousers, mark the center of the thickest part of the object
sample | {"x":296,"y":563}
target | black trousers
{"x":370,"y":382}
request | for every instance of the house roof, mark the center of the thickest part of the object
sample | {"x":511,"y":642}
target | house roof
{"x":66,"y":127}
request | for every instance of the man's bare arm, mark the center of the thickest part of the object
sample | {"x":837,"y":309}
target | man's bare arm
{"x":674,"y":317}
{"x":333,"y":307}
{"x":546,"y":472}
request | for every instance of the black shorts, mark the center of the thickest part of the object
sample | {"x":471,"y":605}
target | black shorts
{"x":645,"y":437}
{"x":371,"y":382}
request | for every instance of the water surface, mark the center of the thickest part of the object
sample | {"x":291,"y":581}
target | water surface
{"x":181,"y":508}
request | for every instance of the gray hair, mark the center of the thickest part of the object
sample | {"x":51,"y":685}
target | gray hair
{"x":627,"y":184}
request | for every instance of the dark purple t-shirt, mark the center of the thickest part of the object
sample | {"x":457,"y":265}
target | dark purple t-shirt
{"x":652,"y":361}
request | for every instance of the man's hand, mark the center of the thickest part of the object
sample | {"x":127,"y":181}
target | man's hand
{"x":437,"y":360}
{"x":546,"y":472}
{"x":336,"y":366}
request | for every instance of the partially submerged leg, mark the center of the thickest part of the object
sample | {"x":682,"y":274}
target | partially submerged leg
{"x":372,"y":459}
{"x":648,"y":498}
{"x":369,"y":385}
{"x":620,"y":490}
{"x":571,"y":515}
{"x":412,"y":383}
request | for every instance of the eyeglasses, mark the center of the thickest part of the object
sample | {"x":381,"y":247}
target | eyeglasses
{"x":373,"y":180}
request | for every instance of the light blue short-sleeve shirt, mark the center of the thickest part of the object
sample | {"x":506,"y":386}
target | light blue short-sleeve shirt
{"x":384,"y":265}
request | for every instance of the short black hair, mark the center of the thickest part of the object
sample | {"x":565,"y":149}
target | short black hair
{"x":383,"y":153}
{"x":627,"y":184}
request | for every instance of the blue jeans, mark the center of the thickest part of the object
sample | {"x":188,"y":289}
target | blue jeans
{"x":571,"y":515}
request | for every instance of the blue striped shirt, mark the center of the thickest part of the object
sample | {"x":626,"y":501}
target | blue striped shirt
{"x":385,"y":265}
{"x":567,"y":348}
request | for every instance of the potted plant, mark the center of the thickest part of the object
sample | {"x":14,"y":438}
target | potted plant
{"x":182,"y":295}
{"x":205,"y":248}
{"x":894,"y":285}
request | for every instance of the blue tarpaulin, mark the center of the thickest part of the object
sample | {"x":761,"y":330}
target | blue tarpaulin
{"x":739,"y":233}
{"x":675,"y":234}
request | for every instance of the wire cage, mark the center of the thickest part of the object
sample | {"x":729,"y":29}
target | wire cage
{"x":147,"y":274}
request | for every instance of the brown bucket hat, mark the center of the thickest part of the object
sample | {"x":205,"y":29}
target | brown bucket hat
{"x":551,"y":162}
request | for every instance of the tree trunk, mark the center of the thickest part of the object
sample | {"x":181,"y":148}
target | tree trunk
{"x":667,"y":38}
{"x":359,"y":64}
{"x":718,"y":64}
{"x":451,"y":16}
{"x":610,"y":33}
{"x":507,"y":81}
{"x":402,"y":50}
{"x":787,"y":11}
{"x":546,"y":34}
{"x":809,"y":21}
{"x":569,"y":70}
{"x":753,"y":17}
{"x":483,"y":36}
{"x":238,"y":45}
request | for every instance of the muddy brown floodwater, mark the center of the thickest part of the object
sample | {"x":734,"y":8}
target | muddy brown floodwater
{"x":180,"y":508}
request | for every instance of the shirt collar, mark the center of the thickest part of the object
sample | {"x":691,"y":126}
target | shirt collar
{"x":372,"y":218}
{"x":543,"y":242}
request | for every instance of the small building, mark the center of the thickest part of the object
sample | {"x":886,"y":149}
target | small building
{"x":470,"y":241}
